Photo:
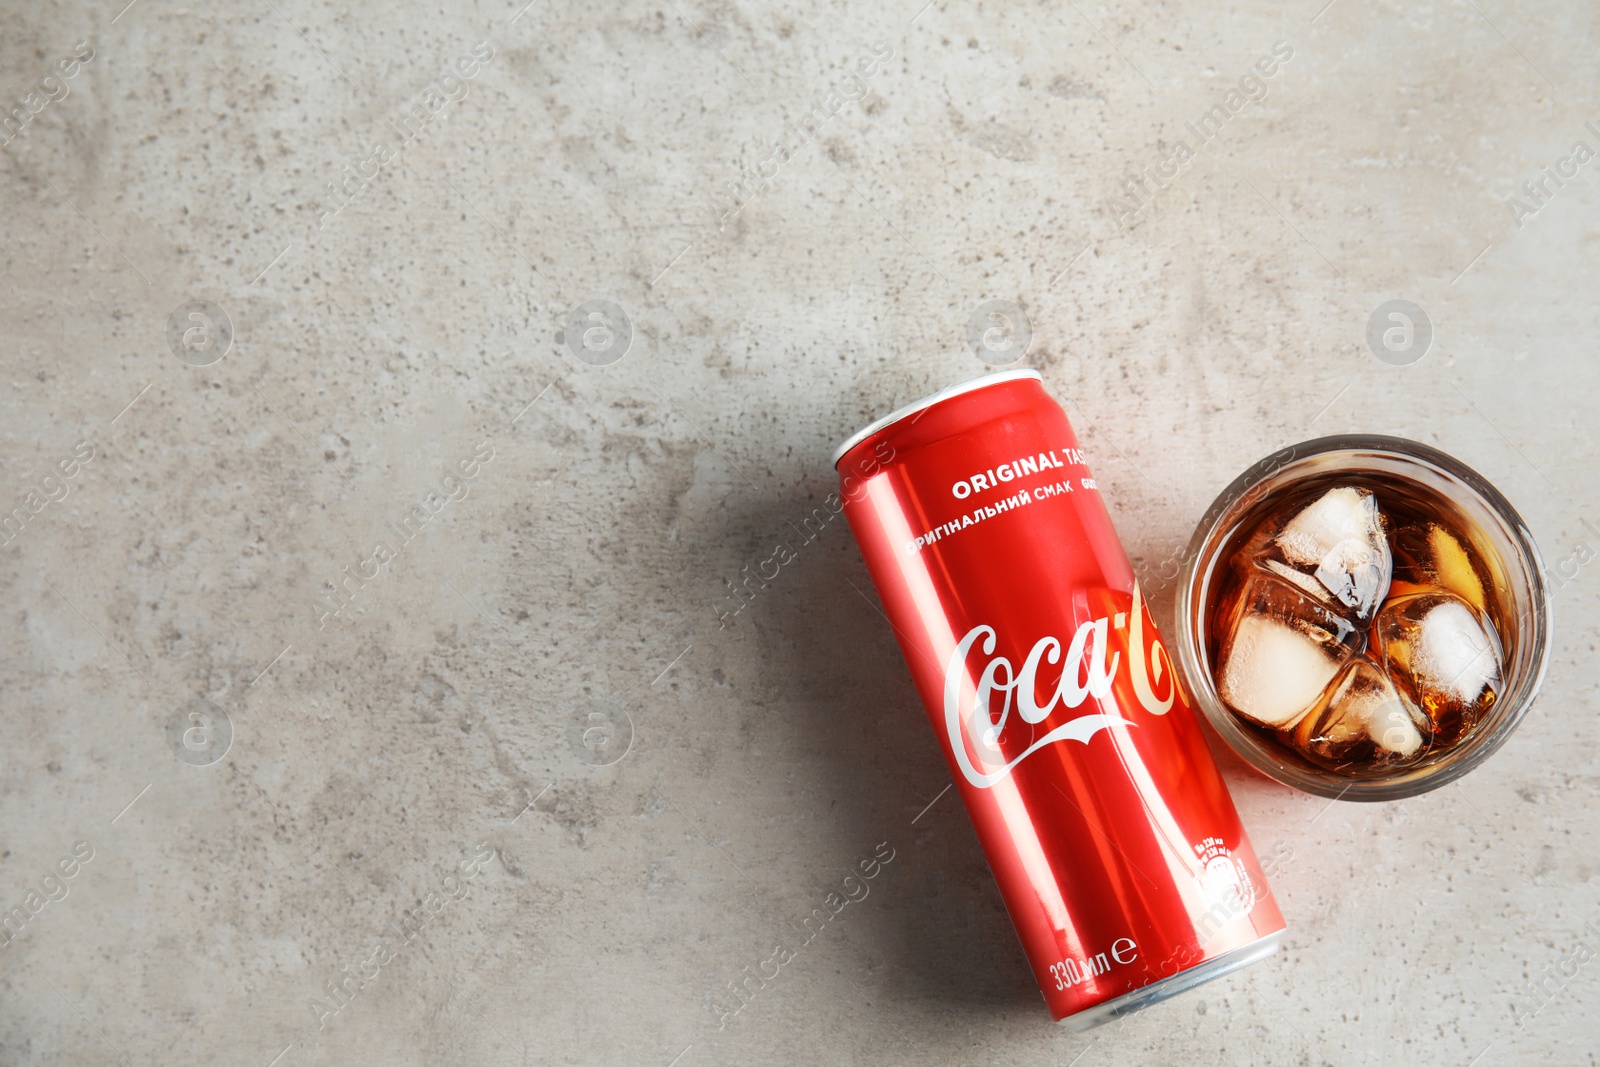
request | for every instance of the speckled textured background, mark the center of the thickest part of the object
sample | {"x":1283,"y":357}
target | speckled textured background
{"x":549,"y":673}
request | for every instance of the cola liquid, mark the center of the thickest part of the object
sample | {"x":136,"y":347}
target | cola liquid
{"x":1358,"y":623}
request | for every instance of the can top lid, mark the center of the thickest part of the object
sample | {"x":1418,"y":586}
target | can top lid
{"x":980,"y":382}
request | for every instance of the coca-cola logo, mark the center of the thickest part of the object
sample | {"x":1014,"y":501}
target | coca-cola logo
{"x":973,"y":687}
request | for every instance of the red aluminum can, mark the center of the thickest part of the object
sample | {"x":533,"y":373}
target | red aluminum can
{"x":1078,"y":754}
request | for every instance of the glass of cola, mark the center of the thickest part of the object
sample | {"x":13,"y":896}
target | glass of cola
{"x":1363,"y":617}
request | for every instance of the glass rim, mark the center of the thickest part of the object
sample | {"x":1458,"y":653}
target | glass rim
{"x":1212,"y":532}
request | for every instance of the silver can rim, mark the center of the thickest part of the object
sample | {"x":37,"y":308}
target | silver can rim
{"x":983,"y":381}
{"x":1172,"y":985}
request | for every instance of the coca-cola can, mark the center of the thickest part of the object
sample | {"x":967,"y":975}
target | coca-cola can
{"x":1075,"y":748}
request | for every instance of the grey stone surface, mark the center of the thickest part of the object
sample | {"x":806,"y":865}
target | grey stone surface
{"x":541,"y":675}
